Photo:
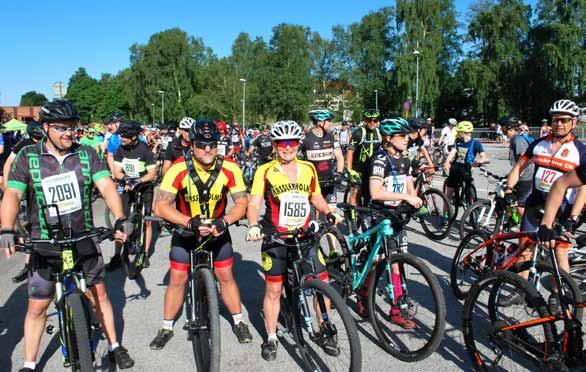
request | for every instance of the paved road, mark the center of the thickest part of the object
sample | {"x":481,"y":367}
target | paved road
{"x":138,"y":309}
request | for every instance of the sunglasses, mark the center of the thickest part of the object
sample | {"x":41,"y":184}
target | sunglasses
{"x":203,"y":144}
{"x":371,"y":120}
{"x":63,"y":128}
{"x":290,"y":142}
{"x":562,"y":120}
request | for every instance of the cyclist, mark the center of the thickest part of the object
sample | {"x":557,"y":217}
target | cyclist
{"x":553,"y":156}
{"x":263,"y":145}
{"x":90,"y":140}
{"x":224,"y":143}
{"x":134,"y":164}
{"x":416,"y":147}
{"x":462,"y":157}
{"x":448,"y":135}
{"x":288,"y":186}
{"x":344,"y":135}
{"x":38,"y":170}
{"x":194,"y":194}
{"x":180,"y":145}
{"x":236,"y":139}
{"x":112,"y":142}
{"x":365,"y":141}
{"x":322,"y":149}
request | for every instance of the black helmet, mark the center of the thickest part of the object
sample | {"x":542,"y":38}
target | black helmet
{"x":129,"y":128}
{"x":58,"y":110}
{"x":509,"y":121}
{"x":35,"y":130}
{"x":204,"y":130}
{"x":417,"y":123}
{"x":114,"y":117}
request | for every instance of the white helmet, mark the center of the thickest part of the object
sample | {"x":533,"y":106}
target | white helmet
{"x":564,"y":106}
{"x":186,"y":123}
{"x":283,"y":130}
{"x":452,"y":121}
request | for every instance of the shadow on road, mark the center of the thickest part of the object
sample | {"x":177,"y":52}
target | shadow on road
{"x":12,"y":325}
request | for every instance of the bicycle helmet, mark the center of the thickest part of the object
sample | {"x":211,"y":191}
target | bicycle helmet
{"x":204,"y":130}
{"x":283,"y":130}
{"x":34,"y":129}
{"x":564,"y":106}
{"x":509,"y":121}
{"x":58,"y":110}
{"x":221,"y":126}
{"x":114,"y":117}
{"x":186,"y":123}
{"x":389,"y":127}
{"x":320,"y":115}
{"x":416,"y":123}
{"x":371,"y":114}
{"x":452,"y":122}
{"x":464,"y":126}
{"x":129,"y":128}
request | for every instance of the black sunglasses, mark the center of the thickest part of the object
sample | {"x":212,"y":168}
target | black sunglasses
{"x":203,"y":144}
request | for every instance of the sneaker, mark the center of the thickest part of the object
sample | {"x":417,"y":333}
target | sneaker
{"x":402,"y":321}
{"x":242,"y":333}
{"x":510,"y":300}
{"x":121,"y":358}
{"x":269,"y":350}
{"x":553,"y":303}
{"x":328,"y":343}
{"x":21,"y":276}
{"x":361,"y":306}
{"x":114,"y":263}
{"x":163,"y":336}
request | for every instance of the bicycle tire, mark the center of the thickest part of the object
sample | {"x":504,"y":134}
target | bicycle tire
{"x":205,"y":336}
{"x":481,"y":236}
{"x":338,"y":263}
{"x":433,"y":211}
{"x":478,"y":210}
{"x":77,"y":308}
{"x":389,"y":338}
{"x":533,"y":304}
{"x":132,"y":261}
{"x":338,"y":305}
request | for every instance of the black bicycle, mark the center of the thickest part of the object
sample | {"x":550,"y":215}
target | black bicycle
{"x":74,"y":312}
{"x":313,"y":326}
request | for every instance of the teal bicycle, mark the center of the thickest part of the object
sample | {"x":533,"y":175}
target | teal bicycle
{"x":399,"y":284}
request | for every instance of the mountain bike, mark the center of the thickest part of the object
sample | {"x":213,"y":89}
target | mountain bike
{"x":304,"y":311}
{"x":398,"y":282}
{"x":464,"y":194}
{"x":74,"y":311}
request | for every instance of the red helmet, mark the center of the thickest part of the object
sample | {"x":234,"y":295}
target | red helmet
{"x":221,"y":126}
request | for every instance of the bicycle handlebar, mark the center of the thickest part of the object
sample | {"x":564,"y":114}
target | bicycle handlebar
{"x":30,"y":245}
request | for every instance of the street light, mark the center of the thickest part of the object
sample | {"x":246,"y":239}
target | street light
{"x":243,"y":105}
{"x":153,"y":113}
{"x":162,"y":93}
{"x":376,"y":99}
{"x":416,"y":52}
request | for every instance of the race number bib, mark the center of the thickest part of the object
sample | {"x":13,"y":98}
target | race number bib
{"x":396,"y":184}
{"x":131,"y":167}
{"x":236,"y":139}
{"x":63,"y":190}
{"x":222,"y":150}
{"x":544,"y":178}
{"x":293,"y":211}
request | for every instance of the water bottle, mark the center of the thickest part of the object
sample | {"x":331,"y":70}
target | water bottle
{"x":515,"y":217}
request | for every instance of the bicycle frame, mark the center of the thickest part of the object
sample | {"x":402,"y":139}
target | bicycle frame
{"x":198,"y":258}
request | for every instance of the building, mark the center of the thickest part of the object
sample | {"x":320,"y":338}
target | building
{"x":22,"y":113}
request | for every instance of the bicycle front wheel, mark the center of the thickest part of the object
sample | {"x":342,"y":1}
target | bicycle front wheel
{"x":437,"y":216}
{"x":205,"y":329}
{"x":79,"y":331}
{"x":407,"y":308}
{"x":489,"y":308}
{"x":469,"y":263}
{"x":333,"y":343}
{"x":478,"y":216}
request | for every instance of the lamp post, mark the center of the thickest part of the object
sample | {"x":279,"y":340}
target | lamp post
{"x":153,"y":113}
{"x":416,"y":52}
{"x":162,"y":93}
{"x":376,"y":99}
{"x":243,"y":105}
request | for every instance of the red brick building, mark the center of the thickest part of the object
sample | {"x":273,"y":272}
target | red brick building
{"x":22,"y":113}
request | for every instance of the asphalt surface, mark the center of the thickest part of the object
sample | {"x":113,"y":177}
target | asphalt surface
{"x":138,"y":307}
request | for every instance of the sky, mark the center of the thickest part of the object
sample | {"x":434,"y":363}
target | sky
{"x":43,"y":42}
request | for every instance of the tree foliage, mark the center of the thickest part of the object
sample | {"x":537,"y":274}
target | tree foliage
{"x":33,"y":98}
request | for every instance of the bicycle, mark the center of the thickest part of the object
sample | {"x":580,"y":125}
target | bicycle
{"x":74,"y":312}
{"x":464,"y":194}
{"x":415,"y":292}
{"x":577,"y":259}
{"x":202,"y":309}
{"x":315,"y":325}
{"x":524,"y":332}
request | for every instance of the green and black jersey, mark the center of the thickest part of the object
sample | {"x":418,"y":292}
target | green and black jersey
{"x":364,"y":142}
{"x":67,"y":183}
{"x":135,"y":161}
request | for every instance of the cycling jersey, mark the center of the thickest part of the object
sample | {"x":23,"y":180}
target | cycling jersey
{"x":114,"y":142}
{"x":287,"y":203}
{"x":394,"y":171}
{"x":235,"y":137}
{"x":175,"y":150}
{"x":365,"y":142}
{"x":135,"y":161}
{"x":93,"y":142}
{"x":466,"y":151}
{"x":319,"y":150}
{"x":413,"y":148}
{"x":67,"y":183}
{"x":178,"y":181}
{"x":264,"y":147}
{"x":224,"y":145}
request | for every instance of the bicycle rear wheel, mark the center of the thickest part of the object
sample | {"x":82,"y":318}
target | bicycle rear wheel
{"x":334,"y":248}
{"x":467,"y":268}
{"x":205,"y":329}
{"x":417,"y":298}
{"x":435,"y":224}
{"x":478,"y":217}
{"x":490,"y":347}
{"x":78,"y":320}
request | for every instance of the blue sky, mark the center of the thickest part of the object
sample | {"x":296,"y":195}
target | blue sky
{"x":44,"y":42}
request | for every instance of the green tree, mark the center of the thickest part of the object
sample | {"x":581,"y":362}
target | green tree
{"x":84,"y":91}
{"x":33,"y":98}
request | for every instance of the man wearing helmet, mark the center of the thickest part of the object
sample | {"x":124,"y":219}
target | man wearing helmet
{"x":54,"y":163}
{"x":448,"y":135}
{"x":180,"y":145}
{"x":89,"y":139}
{"x":364,"y":142}
{"x":461,"y":158}
{"x":134,"y":167}
{"x":112,"y":141}
{"x":553,"y":156}
{"x":263,"y":145}
{"x":236,"y":139}
{"x":288,"y":186}
{"x":194,"y":195}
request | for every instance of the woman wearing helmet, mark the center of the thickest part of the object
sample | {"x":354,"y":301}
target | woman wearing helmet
{"x":417,"y":144}
{"x":289,"y":186}
{"x":461,"y":159}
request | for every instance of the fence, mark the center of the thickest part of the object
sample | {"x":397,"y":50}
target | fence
{"x":487,"y":135}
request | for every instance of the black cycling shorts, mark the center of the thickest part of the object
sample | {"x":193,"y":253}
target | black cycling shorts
{"x":458,"y":174}
{"x":274,"y":261}
{"x":147,"y":198}
{"x":221,"y":248}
